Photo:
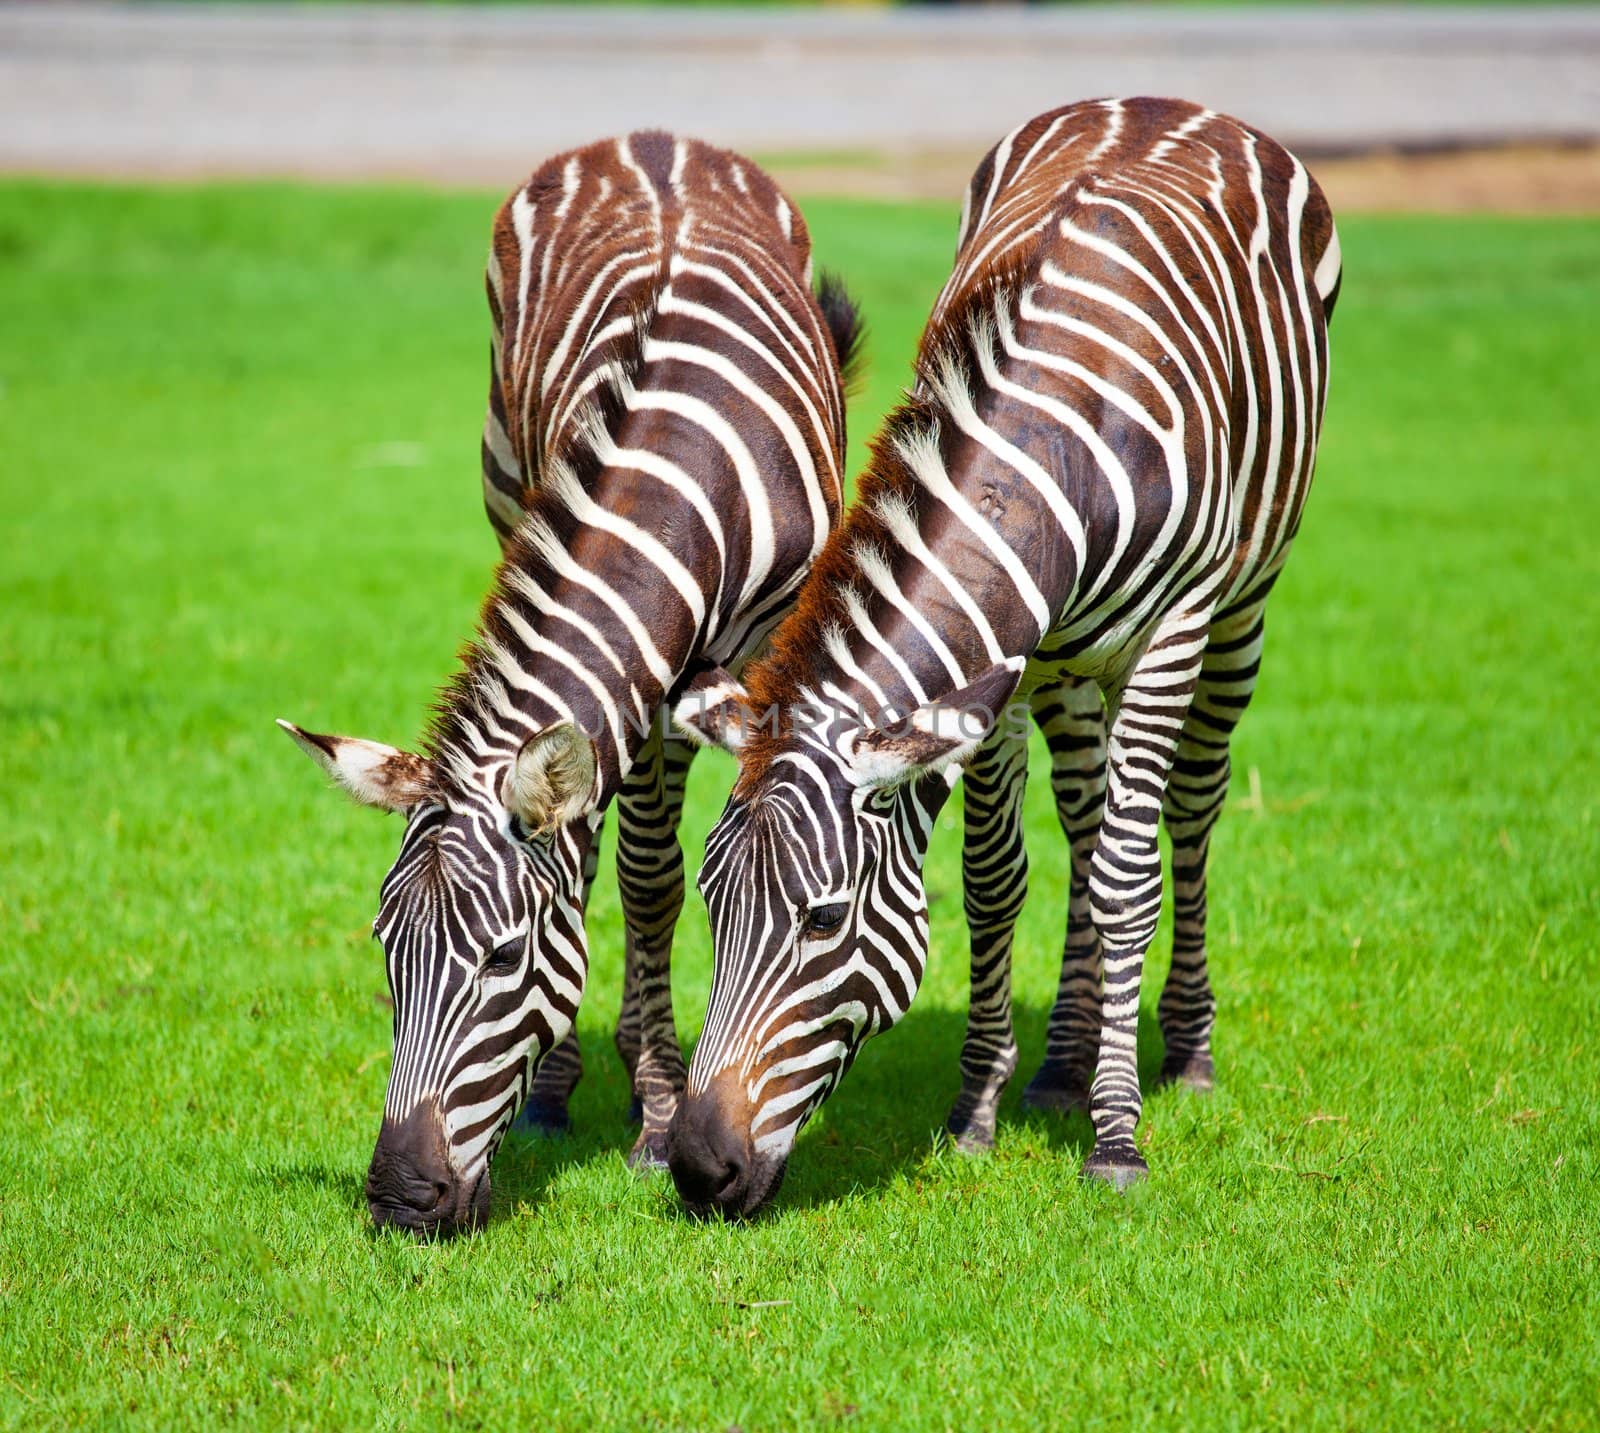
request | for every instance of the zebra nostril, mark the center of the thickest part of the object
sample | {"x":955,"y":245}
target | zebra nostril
{"x":731,"y":1188}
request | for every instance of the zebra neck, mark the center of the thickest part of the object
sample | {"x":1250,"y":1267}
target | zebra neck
{"x":912,"y":616}
{"x":559,"y":643}
{"x":906,"y":642}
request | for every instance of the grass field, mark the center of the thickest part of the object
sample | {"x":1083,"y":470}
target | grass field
{"x":238,"y":429}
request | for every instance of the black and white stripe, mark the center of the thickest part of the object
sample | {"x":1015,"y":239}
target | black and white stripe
{"x":661,"y":460}
{"x":1081,"y":509}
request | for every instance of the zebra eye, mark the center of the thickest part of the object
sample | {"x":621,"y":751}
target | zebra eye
{"x":824,"y":920}
{"x":505,"y":956}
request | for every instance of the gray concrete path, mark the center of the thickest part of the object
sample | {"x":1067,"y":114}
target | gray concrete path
{"x":476,"y":95}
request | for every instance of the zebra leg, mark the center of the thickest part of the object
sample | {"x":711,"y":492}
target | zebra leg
{"x":628,"y":1035}
{"x":1125,"y":876}
{"x":1195,"y":794}
{"x":994,"y":867}
{"x":545,"y":1112}
{"x":1073,"y":719}
{"x":650,"y":881}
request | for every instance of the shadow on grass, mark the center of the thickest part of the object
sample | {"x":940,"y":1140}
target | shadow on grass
{"x":888,"y":1115}
{"x":883,"y":1123}
{"x":527,"y":1166}
{"x":522,"y":1173}
{"x":346,"y":1186}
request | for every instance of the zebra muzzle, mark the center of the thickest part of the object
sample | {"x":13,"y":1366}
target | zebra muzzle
{"x":411,"y":1183}
{"x":711,"y":1154}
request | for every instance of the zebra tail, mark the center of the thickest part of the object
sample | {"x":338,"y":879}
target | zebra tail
{"x":846,"y":326}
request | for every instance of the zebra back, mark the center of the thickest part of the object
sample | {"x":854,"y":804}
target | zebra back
{"x":579,"y":260}
{"x":1246,"y":268}
{"x":665,"y":409}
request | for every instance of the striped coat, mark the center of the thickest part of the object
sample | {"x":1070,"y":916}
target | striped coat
{"x":1080,"y":509}
{"x":661,"y":460}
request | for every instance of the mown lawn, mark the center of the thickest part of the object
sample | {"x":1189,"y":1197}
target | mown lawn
{"x":238,"y":429}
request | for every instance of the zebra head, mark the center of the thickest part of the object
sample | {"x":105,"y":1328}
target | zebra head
{"x":481,"y":923}
{"x":812,"y":879}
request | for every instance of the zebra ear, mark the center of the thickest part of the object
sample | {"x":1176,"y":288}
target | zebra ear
{"x":939,"y":733}
{"x":375,"y":774}
{"x":552,"y":781}
{"x":711,"y":710}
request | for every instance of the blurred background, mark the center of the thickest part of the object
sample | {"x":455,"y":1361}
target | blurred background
{"x":889,"y":100}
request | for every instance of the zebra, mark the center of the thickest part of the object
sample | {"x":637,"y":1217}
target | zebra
{"x":662,"y":456}
{"x":1078,"y":511}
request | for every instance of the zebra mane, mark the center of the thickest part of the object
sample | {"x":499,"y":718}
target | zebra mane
{"x":880,"y":520}
{"x":801,"y":654}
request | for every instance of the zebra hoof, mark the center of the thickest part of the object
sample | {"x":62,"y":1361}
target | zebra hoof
{"x":1119,"y":1165}
{"x":539,"y":1120}
{"x":970,"y":1135}
{"x":1193,"y":1072}
{"x":1058,"y":1090}
{"x":649,"y":1153}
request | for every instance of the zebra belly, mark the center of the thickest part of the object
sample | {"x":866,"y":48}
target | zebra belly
{"x":1103,"y":655}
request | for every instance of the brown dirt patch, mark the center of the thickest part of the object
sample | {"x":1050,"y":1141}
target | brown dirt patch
{"x":1513,"y":179}
{"x":1518,"y":179}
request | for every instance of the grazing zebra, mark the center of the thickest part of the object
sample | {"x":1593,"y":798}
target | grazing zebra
{"x":1087,"y":496}
{"x":661,"y":461}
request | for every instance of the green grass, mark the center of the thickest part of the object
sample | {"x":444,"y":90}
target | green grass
{"x":887,"y":4}
{"x":238,"y":429}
